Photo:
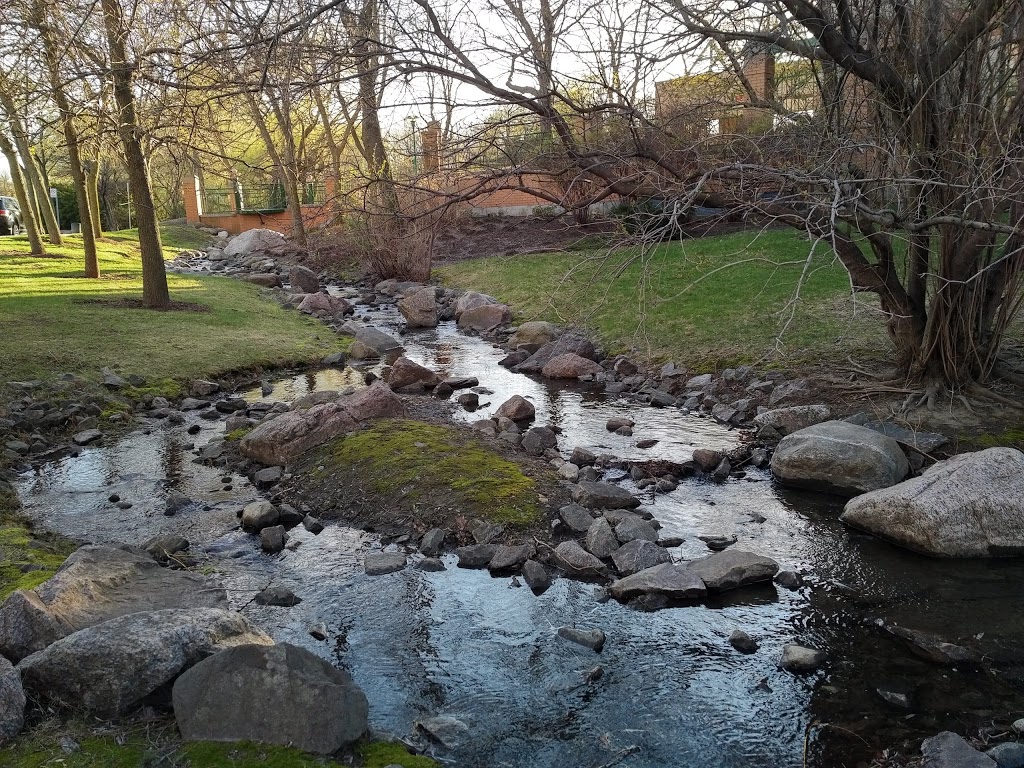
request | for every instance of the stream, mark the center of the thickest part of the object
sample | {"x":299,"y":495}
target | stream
{"x":464,"y":645}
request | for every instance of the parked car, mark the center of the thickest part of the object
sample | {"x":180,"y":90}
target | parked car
{"x":10,"y":216}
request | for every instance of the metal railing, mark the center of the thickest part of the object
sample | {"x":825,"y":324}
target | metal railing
{"x":258,"y":198}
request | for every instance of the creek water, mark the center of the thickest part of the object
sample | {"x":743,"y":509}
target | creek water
{"x":464,"y":645}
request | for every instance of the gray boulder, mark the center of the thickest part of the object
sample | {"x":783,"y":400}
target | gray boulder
{"x":536,"y":576}
{"x":948,"y":750}
{"x":304,"y":279}
{"x":601,"y":541}
{"x":12,"y":701}
{"x":433,"y":542}
{"x":257,"y":515}
{"x":419,"y":308}
{"x":638,"y":555}
{"x":472,"y":300}
{"x":788,"y":420}
{"x":254,"y":241}
{"x":382,"y":563}
{"x":406,"y":373}
{"x":536,"y":332}
{"x":797,"y":658}
{"x":538,"y":440}
{"x":284,"y":438}
{"x":507,"y":558}
{"x":576,"y":561}
{"x":275,"y":694}
{"x":971,"y":505}
{"x":485,"y":317}
{"x":517,"y":408}
{"x":841,"y":458}
{"x":733,"y":568}
{"x":674,"y":581}
{"x":97,"y":583}
{"x":107,"y":668}
{"x":376,"y":340}
{"x":603,"y":496}
{"x":632,"y":528}
{"x":574,"y":343}
{"x":570,"y":366}
{"x":475,"y":555}
{"x":577,"y":518}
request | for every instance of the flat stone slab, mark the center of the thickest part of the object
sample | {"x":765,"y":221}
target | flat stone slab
{"x":475,"y":555}
{"x":672,"y":580}
{"x":87,"y":436}
{"x":381,"y":563}
{"x":733,"y":568}
{"x":923,"y":442}
{"x":509,"y":558}
{"x":638,"y":555}
{"x":603,"y":496}
{"x":575,"y":560}
{"x":949,"y":750}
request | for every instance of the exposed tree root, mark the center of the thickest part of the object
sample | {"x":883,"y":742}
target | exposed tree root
{"x":987,"y":394}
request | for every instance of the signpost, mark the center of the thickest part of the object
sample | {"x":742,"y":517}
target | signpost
{"x":56,"y":204}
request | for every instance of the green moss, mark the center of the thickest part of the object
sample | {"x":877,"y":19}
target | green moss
{"x":1011,"y":437}
{"x":422,"y":462}
{"x":381,"y":755}
{"x":167,"y":388}
{"x":208,"y":754}
{"x":26,"y":560}
{"x":237,"y":434}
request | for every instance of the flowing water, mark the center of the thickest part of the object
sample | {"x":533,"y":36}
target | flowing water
{"x":483,"y":650}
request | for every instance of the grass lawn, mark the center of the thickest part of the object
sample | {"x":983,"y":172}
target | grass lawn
{"x":706,"y":303}
{"x":51,"y":327}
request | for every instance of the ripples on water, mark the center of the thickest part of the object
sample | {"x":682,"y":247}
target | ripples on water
{"x":462,"y":644}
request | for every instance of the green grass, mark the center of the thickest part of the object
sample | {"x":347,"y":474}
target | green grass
{"x":50,"y":327}
{"x":142,"y":746}
{"x":705,"y":303}
{"x":424,"y":463}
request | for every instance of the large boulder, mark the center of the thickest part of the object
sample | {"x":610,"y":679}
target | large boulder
{"x":97,"y":583}
{"x":733,"y":568}
{"x":304,"y":279}
{"x":486,"y":317}
{"x":280,"y":440}
{"x":567,"y":343}
{"x":534,"y":333}
{"x":264,"y":279}
{"x":950,"y":750}
{"x":376,"y":340}
{"x":576,"y":561}
{"x":12,"y":700}
{"x":788,"y":420}
{"x":971,"y":505}
{"x":419,"y":308}
{"x":603,"y":496}
{"x":839,"y":457}
{"x":472,"y":300}
{"x":570,"y":366}
{"x":108,"y":668}
{"x":254,"y":241}
{"x":639,"y":555}
{"x":516,"y":408}
{"x":275,"y":694}
{"x":406,"y":373}
{"x":325,"y":303}
{"x":672,"y":580}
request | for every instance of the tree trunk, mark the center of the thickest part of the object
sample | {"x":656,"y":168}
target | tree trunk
{"x":33,"y":178}
{"x":92,"y":188}
{"x":154,"y":275}
{"x":67,"y":117}
{"x":27,"y":214}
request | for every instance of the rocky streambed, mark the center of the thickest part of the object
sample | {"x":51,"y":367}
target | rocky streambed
{"x":478,"y":670}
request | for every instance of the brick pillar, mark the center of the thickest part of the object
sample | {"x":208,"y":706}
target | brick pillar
{"x":430,"y":146}
{"x":759,"y":69}
{"x":190,"y":196}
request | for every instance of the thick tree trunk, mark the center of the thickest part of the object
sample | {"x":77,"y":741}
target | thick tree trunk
{"x":28,"y":216}
{"x":92,"y":188}
{"x":154,"y":275}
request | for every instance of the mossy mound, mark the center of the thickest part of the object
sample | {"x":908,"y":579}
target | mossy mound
{"x":425,"y":472}
{"x":26,"y":559}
